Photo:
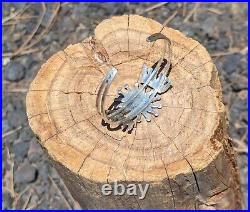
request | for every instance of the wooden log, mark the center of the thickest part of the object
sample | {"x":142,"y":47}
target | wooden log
{"x":184,"y":154}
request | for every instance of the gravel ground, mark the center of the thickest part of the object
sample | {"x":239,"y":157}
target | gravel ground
{"x":29,"y":181}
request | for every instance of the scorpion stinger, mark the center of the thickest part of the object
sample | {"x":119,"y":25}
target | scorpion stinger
{"x":142,"y":99}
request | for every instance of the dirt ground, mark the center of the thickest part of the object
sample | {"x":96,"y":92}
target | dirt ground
{"x":33,"y":32}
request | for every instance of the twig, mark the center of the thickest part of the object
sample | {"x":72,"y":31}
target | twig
{"x":241,"y":145}
{"x":241,"y":150}
{"x":191,"y":13}
{"x":19,"y":196}
{"x":46,"y":30}
{"x":215,"y":11}
{"x":35,"y":205}
{"x":27,"y":201}
{"x":5,"y":82}
{"x":195,"y":13}
{"x":184,"y":10}
{"x":11,"y":174}
{"x":17,"y":90}
{"x":230,"y":51}
{"x":155,"y":6}
{"x":17,"y":20}
{"x":24,"y":52}
{"x":25,"y":48}
{"x":244,"y":51}
{"x":22,"y":47}
{"x":69,"y":194}
{"x":13,"y":15}
{"x":11,"y":132}
{"x":65,"y":4}
{"x":170,"y":18}
{"x":6,"y":189}
{"x":60,"y":192}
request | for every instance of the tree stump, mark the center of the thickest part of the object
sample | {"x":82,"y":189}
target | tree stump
{"x":184,"y":154}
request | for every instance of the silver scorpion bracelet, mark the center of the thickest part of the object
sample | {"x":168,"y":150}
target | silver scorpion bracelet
{"x":133,"y":103}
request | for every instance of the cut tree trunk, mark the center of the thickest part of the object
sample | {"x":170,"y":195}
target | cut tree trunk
{"x":184,"y":154}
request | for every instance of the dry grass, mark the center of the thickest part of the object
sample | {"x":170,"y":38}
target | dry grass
{"x":29,"y":42}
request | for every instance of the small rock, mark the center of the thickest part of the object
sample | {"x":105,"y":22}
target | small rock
{"x":47,"y":17}
{"x":35,"y":151}
{"x":172,"y":6}
{"x":244,"y":116}
{"x":53,"y":173}
{"x":6,"y":200}
{"x":29,"y":26}
{"x":14,"y":72}
{"x":20,"y":149}
{"x":77,"y":13}
{"x":5,"y":126}
{"x":9,"y":46}
{"x":5,"y":61}
{"x":244,"y":68}
{"x":222,"y":44}
{"x":81,"y":32}
{"x":116,"y":9}
{"x":222,"y":24}
{"x":239,"y":82}
{"x":26,"y":135}
{"x":17,"y":118}
{"x":43,"y":171}
{"x":51,"y":37}
{"x":243,"y":95}
{"x":68,"y":24}
{"x":231,"y":63}
{"x":239,"y":105}
{"x":29,"y":61}
{"x":209,"y":25}
{"x":41,"y":189}
{"x":212,"y":45}
{"x":186,"y":29}
{"x":9,"y":108}
{"x":25,"y":173}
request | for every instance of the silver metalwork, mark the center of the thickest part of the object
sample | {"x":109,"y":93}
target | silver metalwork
{"x":142,"y":99}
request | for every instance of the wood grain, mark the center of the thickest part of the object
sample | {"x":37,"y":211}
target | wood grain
{"x":184,"y":153}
